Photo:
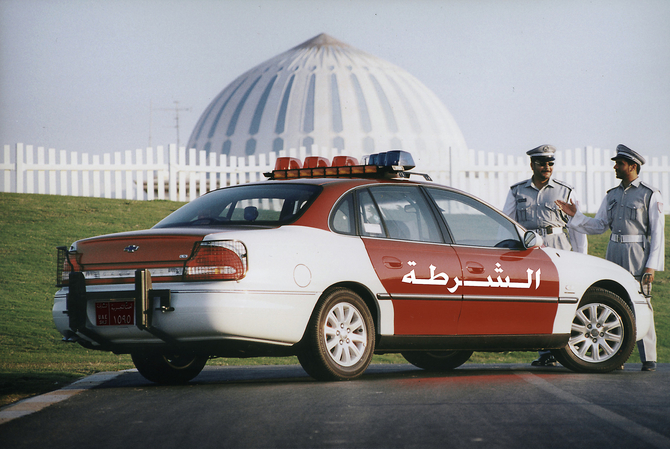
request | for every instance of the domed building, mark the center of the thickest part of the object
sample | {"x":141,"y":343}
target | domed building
{"x":327,"y":94}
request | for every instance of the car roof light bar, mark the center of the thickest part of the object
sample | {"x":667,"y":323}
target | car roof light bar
{"x":390,"y":163}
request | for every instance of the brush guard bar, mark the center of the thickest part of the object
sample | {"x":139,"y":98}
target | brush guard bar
{"x":144,"y":295}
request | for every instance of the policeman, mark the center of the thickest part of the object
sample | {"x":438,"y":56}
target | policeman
{"x":532,"y":203}
{"x":634,"y":212}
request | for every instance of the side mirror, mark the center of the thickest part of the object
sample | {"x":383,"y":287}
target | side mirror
{"x":531,"y":239}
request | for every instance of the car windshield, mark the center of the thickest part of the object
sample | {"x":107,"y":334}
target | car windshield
{"x":259,"y":204}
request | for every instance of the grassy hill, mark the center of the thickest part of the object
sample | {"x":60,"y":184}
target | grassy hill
{"x":33,"y":359}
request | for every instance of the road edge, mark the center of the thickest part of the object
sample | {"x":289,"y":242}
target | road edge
{"x":34,"y":404}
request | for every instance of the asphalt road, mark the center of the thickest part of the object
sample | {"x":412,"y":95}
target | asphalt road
{"x":391,"y":406}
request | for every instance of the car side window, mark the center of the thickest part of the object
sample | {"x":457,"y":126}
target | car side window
{"x":342,"y":219}
{"x":371,"y":223}
{"x":406,"y":214}
{"x":474,"y":223}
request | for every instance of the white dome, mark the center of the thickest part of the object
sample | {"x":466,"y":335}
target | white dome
{"x":327,"y":93}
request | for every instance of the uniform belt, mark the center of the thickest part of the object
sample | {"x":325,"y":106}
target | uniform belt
{"x":548,"y":230}
{"x":630,"y":238}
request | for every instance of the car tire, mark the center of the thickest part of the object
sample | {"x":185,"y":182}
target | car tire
{"x":340,"y":337}
{"x":437,"y":360}
{"x":168,"y":369}
{"x":602,"y":335}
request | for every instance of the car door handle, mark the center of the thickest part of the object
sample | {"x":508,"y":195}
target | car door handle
{"x":391,"y":262}
{"x":508,"y":258}
{"x":474,"y":268}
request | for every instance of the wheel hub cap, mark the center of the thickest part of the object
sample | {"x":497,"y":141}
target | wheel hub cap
{"x":597,"y":333}
{"x":345,"y":334}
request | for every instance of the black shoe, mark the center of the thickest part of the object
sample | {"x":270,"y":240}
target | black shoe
{"x":544,"y":360}
{"x":648,"y":366}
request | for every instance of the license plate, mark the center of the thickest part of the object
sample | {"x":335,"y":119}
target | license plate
{"x":115,"y":313}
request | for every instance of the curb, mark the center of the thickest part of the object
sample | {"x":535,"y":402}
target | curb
{"x":31,"y":405}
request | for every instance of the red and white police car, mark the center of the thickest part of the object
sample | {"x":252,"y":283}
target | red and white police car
{"x":334,"y":262}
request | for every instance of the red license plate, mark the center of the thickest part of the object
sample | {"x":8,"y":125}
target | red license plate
{"x":115,"y":313}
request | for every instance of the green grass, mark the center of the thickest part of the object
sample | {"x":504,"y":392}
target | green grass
{"x":34,"y":360}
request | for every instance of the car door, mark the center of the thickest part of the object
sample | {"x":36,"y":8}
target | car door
{"x":417,"y":269}
{"x":507,"y":289}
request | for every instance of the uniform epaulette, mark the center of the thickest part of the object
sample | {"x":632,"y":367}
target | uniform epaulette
{"x":564,"y":184}
{"x":518,"y":183}
{"x":652,"y":188}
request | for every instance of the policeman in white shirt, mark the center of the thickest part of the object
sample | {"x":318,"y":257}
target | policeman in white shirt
{"x":532,"y":203}
{"x":634,"y":212}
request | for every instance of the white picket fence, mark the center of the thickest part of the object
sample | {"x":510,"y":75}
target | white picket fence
{"x":182,"y":175}
{"x":140,"y":175}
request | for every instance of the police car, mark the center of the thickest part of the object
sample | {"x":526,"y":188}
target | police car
{"x":337,"y":261}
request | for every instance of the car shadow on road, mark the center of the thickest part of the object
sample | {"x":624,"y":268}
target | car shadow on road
{"x":287,"y":374}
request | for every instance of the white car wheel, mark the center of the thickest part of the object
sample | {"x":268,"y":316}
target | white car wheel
{"x":345,"y":335}
{"x":602,"y":335}
{"x":340,"y":337}
{"x":597,"y":333}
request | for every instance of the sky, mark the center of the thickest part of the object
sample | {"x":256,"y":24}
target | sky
{"x":97,"y":76}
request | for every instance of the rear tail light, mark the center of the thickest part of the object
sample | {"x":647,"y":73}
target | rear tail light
{"x":65,"y":264}
{"x":217,"y":261}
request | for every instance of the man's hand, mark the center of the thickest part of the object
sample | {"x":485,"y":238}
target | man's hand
{"x":569,"y":208}
{"x":648,"y":279}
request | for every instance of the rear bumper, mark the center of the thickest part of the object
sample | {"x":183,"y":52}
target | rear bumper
{"x":78,"y":300}
{"x":215,"y":318}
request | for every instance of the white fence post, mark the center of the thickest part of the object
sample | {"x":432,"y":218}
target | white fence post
{"x":160,"y":174}
{"x":63,"y":173}
{"x":150,"y":174}
{"x":129,"y":174}
{"x":181,"y":157}
{"x":19,"y":168}
{"x":202,"y":169}
{"x":7,"y":167}
{"x":52,"y":172}
{"x":41,"y":181}
{"x":227,"y":164}
{"x":85,"y":181}
{"x":74,"y":173}
{"x":191,"y":173}
{"x":232,"y":163}
{"x":139,"y":176}
{"x":118,"y":186}
{"x":30,"y":174}
{"x":107,"y":175}
{"x":212,"y":172}
{"x":172,"y":172}
{"x":589,"y":194}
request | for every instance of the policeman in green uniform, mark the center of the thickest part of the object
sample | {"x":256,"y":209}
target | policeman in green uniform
{"x":634,"y":212}
{"x":532,"y":203}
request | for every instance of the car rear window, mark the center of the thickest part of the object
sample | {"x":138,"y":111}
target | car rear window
{"x":269,"y":204}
